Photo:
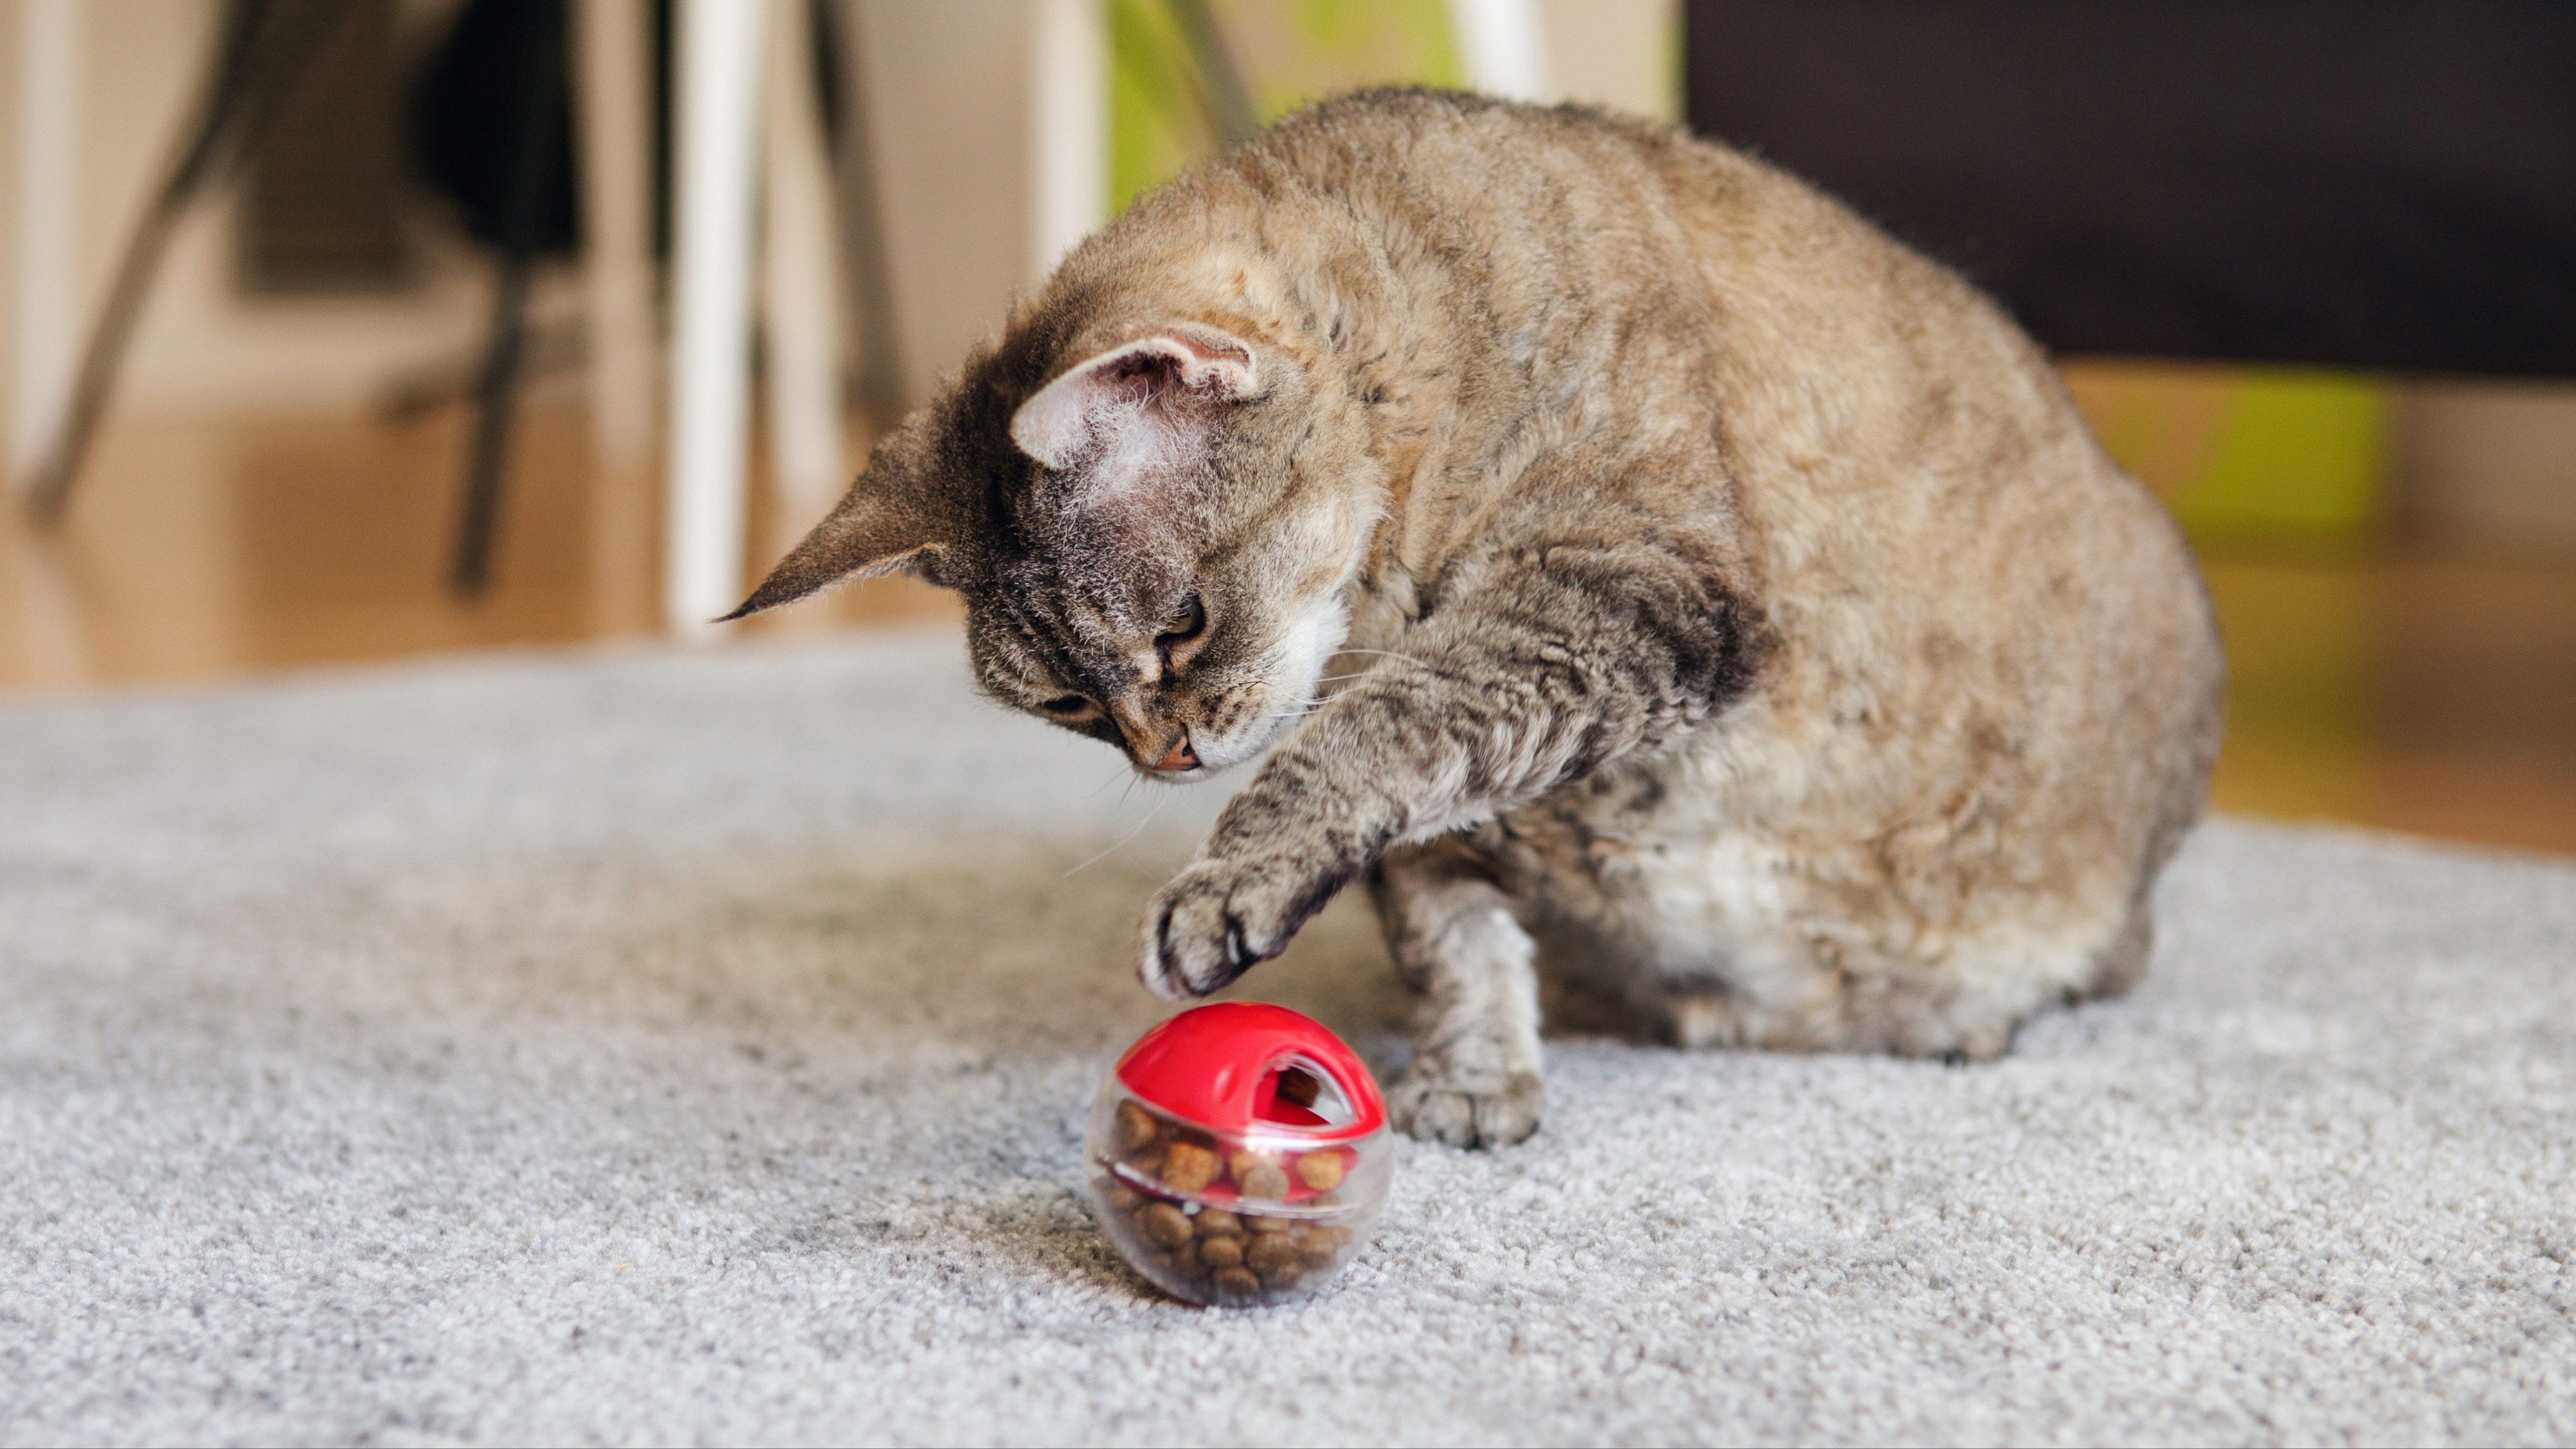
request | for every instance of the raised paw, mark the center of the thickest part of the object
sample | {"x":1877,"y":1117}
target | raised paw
{"x":1436,"y":1107}
{"x":1219,"y":918}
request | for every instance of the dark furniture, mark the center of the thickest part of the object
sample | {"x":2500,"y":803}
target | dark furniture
{"x":2381,"y":184}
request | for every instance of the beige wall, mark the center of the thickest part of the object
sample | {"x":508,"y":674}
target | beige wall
{"x":949,"y":91}
{"x":1624,"y":54}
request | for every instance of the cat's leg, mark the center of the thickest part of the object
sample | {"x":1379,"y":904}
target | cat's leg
{"x":1474,"y":1081}
{"x":1567,"y":660}
{"x":2121,"y":962}
{"x":1695,"y":1017}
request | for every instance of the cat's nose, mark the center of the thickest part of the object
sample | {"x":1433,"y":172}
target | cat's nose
{"x":1180,"y":756}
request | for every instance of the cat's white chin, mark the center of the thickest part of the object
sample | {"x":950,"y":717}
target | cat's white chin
{"x":1302,"y":653}
{"x":1217,"y":756}
{"x":1223,"y":755}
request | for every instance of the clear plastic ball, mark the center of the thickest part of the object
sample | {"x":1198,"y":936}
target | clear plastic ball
{"x":1255,"y":1215}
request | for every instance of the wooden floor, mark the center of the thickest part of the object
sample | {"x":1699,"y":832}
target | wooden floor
{"x":199,"y":547}
{"x":2415,"y":688}
{"x":2408,"y":686}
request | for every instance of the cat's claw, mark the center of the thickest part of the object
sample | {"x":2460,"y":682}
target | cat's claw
{"x":1216,"y":920}
{"x":1435,"y":1107}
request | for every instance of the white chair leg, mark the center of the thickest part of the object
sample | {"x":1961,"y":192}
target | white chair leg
{"x":719,"y":63}
{"x":1069,"y":138}
{"x":1503,"y":47}
{"x":46,"y":341}
{"x":614,"y":50}
{"x":800,"y":303}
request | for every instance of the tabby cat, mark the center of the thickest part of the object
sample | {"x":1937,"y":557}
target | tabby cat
{"x":1636,"y":567}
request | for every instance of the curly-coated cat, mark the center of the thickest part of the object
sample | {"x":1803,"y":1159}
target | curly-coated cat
{"x":1635,"y":567}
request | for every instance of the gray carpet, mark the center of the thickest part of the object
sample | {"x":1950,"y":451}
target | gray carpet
{"x":653,"y":1046}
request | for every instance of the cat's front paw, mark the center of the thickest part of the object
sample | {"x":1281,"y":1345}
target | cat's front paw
{"x":1220,"y":918}
{"x":1435,"y":1106}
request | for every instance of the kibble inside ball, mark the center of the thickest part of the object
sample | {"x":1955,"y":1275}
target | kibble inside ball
{"x":1134,"y":1128}
{"x":1188,"y":1167}
{"x":1165,"y":1224}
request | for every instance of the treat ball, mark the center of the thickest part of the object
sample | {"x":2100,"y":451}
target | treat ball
{"x":1239,"y":1154}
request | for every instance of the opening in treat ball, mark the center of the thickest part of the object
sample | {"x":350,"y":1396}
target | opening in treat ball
{"x":1239,"y":1154}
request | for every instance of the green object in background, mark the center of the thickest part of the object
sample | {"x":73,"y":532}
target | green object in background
{"x":2299,"y":453}
{"x":1156,"y":128}
{"x":1289,"y":51}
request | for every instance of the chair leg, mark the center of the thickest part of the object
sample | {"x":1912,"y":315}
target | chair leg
{"x":1504,"y":46}
{"x":266,"y":47}
{"x":496,"y":395}
{"x":536,"y":123}
{"x":720,"y":53}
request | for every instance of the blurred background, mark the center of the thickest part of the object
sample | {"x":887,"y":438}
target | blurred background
{"x":343,"y":330}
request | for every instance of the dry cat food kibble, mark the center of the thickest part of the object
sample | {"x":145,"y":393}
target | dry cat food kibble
{"x":1239,"y":1251}
{"x":1239,"y":1154}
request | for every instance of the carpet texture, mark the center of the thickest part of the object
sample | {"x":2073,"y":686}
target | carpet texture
{"x":660,"y":1046}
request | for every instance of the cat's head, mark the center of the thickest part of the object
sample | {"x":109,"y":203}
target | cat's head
{"x":1151,"y":520}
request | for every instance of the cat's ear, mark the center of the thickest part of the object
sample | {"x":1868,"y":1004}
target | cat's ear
{"x":897,"y":519}
{"x":1173,"y":378}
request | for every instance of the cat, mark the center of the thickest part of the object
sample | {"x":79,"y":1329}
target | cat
{"x":1636,"y":567}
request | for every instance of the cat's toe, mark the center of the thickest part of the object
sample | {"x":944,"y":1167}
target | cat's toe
{"x":1218,"y":919}
{"x":1195,"y":939}
{"x":1435,"y":1108}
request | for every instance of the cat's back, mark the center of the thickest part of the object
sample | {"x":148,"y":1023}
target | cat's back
{"x":1605,"y":194}
{"x":1603,"y":246}
{"x":1551,"y":214}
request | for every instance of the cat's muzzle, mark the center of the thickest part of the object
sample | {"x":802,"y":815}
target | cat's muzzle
{"x":1180,"y":758}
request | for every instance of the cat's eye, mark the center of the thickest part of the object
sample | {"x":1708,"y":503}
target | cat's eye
{"x":1068,"y":706}
{"x":1184,"y":626}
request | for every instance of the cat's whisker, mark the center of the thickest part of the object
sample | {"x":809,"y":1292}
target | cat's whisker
{"x":1121,"y":844}
{"x":1390,"y":654}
